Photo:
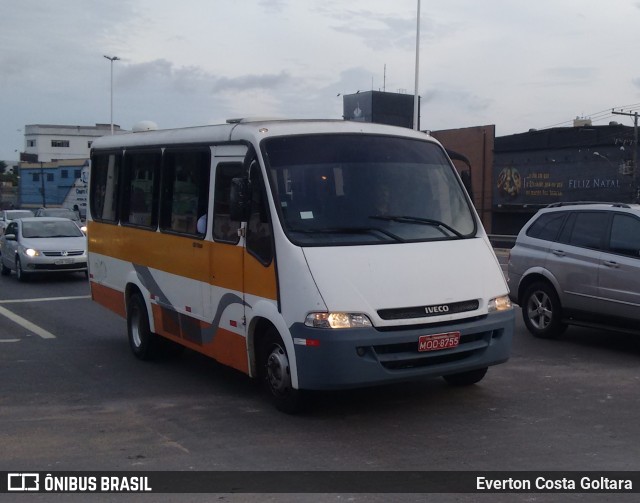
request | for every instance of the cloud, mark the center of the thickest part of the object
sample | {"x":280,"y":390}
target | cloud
{"x":246,"y":82}
{"x":569,"y":75}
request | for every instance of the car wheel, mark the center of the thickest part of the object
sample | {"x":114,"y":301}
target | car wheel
{"x":142,"y":341}
{"x":276,"y":375}
{"x":4,"y":270}
{"x":20,"y":274}
{"x":542,"y":312}
{"x":466,"y":378}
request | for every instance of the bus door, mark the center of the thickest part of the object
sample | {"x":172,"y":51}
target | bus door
{"x":226,"y":283}
{"x":259,"y":264}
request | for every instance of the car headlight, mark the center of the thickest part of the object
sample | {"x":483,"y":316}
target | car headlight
{"x":502,"y":303}
{"x":337,"y":320}
{"x":30,"y":252}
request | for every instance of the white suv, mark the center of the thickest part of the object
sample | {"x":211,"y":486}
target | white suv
{"x":578,"y":263}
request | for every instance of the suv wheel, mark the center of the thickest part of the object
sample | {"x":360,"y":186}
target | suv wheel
{"x":542,"y":311}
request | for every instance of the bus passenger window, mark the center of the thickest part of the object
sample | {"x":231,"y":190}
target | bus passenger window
{"x":104,"y":186}
{"x":224,"y":229}
{"x":142,"y":170}
{"x":185,"y":189}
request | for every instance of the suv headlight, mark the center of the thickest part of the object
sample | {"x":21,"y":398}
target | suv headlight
{"x":337,"y":320}
{"x":502,"y":303}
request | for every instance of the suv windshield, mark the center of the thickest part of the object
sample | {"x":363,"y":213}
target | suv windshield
{"x":356,"y":189}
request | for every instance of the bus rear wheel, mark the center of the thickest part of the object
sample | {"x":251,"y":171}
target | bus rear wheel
{"x":141,"y":340}
{"x":276,"y":375}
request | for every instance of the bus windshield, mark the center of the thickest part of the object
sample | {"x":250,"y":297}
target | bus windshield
{"x":365,"y":189}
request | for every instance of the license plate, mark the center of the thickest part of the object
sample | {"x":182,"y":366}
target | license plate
{"x":64,"y":261}
{"x":438,"y":341}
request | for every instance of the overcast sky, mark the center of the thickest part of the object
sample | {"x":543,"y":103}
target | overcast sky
{"x":518,"y":64}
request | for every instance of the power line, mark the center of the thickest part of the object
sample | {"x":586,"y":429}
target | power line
{"x":600,"y":115}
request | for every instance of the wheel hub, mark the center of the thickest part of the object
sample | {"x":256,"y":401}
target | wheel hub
{"x":278,"y":371}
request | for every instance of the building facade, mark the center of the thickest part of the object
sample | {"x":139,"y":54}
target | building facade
{"x":54,"y":184}
{"x":581,"y":163}
{"x":46,"y":143}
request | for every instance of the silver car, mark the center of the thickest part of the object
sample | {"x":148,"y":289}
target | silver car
{"x":7,"y":215}
{"x":578,"y":264}
{"x":45,"y":244}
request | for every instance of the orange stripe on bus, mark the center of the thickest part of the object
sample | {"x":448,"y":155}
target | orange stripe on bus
{"x":226,"y":347}
{"x":110,"y":298}
{"x":217,"y":264}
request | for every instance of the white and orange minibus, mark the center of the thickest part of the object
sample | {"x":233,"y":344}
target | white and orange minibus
{"x":314,"y":255}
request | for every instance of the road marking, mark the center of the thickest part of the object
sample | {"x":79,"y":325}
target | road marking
{"x":26,"y":324}
{"x":9,"y":340}
{"x":44,"y":299}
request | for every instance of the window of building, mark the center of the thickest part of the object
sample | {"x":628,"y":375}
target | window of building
{"x":31,"y":143}
{"x":60,"y":143}
{"x":64,"y":173}
{"x":77,"y":173}
{"x":89,"y":144}
{"x":49,"y":177}
{"x":185,"y":190}
{"x":35,"y":177}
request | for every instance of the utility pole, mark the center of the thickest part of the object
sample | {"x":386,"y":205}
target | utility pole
{"x":636,"y":171}
{"x":112,"y":59}
{"x":416,"y":106}
{"x":42,"y":191}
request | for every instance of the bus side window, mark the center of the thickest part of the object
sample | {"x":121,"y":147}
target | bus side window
{"x":141,"y":188}
{"x":225,"y":229}
{"x":185,"y":189}
{"x":105,"y":168}
{"x":259,"y":234}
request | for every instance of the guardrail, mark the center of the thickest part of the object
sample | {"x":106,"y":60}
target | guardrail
{"x":502,"y":240}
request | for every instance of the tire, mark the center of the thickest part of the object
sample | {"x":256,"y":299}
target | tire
{"x":20,"y":274}
{"x":4,"y":270}
{"x":276,"y":375}
{"x":466,"y":378}
{"x":542,"y":312}
{"x":142,"y":341}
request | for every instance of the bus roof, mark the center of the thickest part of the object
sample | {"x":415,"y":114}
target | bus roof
{"x":240,"y":130}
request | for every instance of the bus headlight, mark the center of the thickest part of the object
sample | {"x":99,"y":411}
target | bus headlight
{"x":499,"y":304}
{"x":337,"y":320}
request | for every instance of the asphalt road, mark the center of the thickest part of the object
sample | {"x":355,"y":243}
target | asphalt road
{"x":74,"y":398}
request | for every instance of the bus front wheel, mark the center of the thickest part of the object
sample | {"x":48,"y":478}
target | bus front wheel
{"x":276,"y":375}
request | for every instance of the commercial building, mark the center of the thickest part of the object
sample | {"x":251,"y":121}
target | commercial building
{"x":45,"y":143}
{"x":580,"y":163}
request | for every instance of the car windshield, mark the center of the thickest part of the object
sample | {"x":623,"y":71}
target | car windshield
{"x":365,"y":189}
{"x":12,"y":215}
{"x":50,"y":229}
{"x":60,"y":212}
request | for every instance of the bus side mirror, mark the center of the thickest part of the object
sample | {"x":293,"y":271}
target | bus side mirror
{"x":240,"y":199}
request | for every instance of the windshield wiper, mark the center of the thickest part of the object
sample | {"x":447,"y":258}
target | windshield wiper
{"x":418,"y":220}
{"x":349,"y":230}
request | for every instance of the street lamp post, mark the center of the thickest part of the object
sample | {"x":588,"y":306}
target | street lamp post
{"x":112,"y":59}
